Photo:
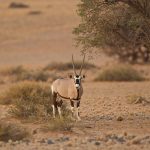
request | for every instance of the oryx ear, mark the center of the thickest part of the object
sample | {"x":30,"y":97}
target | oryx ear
{"x":83,"y":76}
{"x":70,"y":76}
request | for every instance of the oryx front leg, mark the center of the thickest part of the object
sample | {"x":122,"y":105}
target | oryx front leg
{"x":77,"y":106}
{"x":59,"y":105}
{"x":72,"y":107}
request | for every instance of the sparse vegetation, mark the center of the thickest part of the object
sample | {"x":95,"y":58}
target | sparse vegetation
{"x":12,"y":132}
{"x":64,"y":124}
{"x":29,"y":100}
{"x":13,"y":71}
{"x":119,"y":73}
{"x":35,"y":12}
{"x":136,"y":99}
{"x":32,"y":76}
{"x":18,"y":5}
{"x":67,"y":66}
{"x":19,"y":73}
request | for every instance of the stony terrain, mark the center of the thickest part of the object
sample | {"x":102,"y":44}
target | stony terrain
{"x":100,"y":126}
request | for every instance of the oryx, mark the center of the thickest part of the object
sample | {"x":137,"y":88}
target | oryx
{"x":68,"y":89}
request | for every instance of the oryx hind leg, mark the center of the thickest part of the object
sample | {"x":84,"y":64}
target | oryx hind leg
{"x":72,"y":107}
{"x":54,"y":104}
{"x":59,"y":105}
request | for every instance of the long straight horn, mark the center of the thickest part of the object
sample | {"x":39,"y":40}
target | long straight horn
{"x":82,"y":65}
{"x":73,"y":65}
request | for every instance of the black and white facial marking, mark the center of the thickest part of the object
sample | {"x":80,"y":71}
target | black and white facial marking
{"x":77,"y":80}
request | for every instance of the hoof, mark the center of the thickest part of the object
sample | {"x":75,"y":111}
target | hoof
{"x":78,"y":119}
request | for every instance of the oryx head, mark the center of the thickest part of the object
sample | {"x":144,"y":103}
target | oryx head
{"x":78,"y":76}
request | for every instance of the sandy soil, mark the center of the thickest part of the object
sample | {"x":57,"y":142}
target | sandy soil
{"x":101,"y":105}
{"x":35,"y":40}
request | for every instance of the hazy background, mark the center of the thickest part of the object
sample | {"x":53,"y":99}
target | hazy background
{"x":39,"y":34}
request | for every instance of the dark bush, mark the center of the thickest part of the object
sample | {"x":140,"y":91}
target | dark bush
{"x":12,"y":132}
{"x":18,"y":5}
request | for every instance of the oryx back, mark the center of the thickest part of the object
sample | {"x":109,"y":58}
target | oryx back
{"x":65,"y":87}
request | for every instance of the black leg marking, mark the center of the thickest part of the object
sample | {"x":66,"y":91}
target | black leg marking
{"x":78,"y":104}
{"x":72,"y":103}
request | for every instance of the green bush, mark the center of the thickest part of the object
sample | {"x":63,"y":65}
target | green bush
{"x":12,"y":132}
{"x":119,"y":73}
{"x":116,"y":27}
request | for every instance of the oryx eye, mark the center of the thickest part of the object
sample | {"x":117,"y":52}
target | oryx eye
{"x":70,"y":76}
{"x":83,"y":76}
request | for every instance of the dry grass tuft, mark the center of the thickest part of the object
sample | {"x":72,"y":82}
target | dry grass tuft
{"x":13,"y":71}
{"x":63,"y":124}
{"x":19,"y":73}
{"x":18,"y":5}
{"x":35,"y":12}
{"x":29,"y":100}
{"x":67,"y":66}
{"x":119,"y":73}
{"x":136,"y":99}
{"x":33,"y":76}
{"x":12,"y":132}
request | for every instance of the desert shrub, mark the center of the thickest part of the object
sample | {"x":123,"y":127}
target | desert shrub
{"x":32,"y":76}
{"x":67,"y":66}
{"x":119,"y":73}
{"x":29,"y":100}
{"x":40,"y":76}
{"x":19,"y":73}
{"x":18,"y":5}
{"x":136,"y":99}
{"x":12,"y":132}
{"x":13,"y":71}
{"x":34,"y":12}
{"x":63,"y":124}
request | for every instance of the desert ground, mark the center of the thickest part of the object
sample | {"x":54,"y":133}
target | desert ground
{"x":42,"y":34}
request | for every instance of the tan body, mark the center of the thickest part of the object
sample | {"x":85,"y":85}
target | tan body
{"x":66,"y":88}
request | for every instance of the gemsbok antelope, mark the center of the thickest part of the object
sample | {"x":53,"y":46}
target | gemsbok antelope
{"x":68,"y":89}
